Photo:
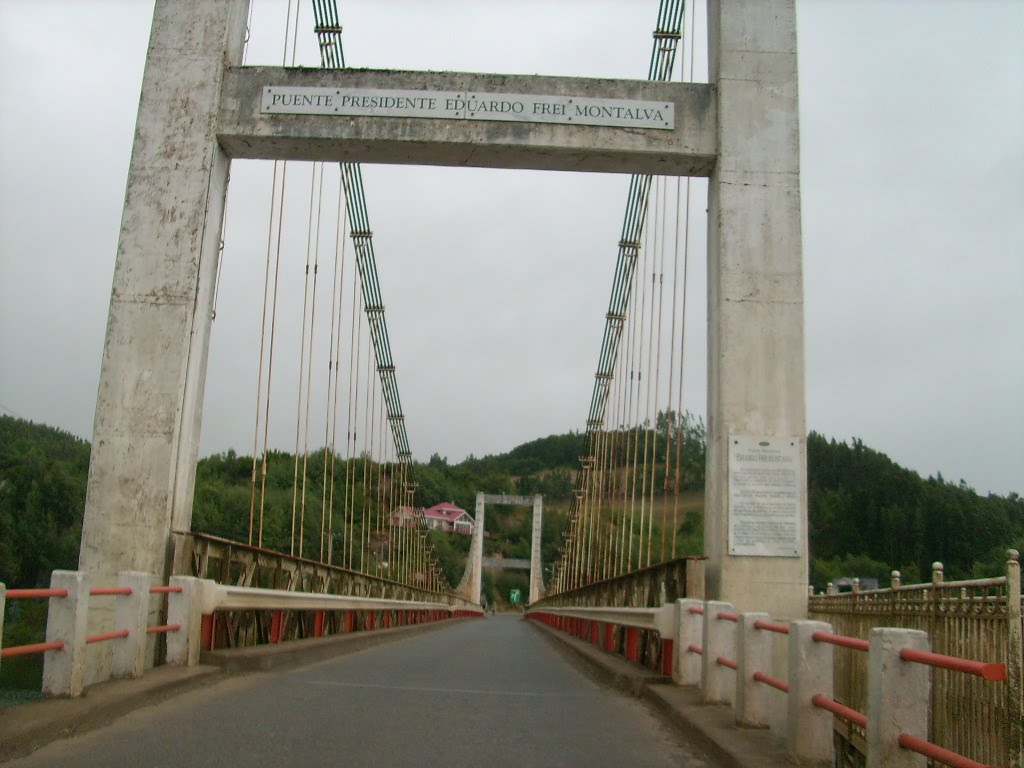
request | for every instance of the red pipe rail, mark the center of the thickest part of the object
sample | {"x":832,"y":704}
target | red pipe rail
{"x":165,"y":590}
{"x":25,"y":650}
{"x":722,"y":660}
{"x":116,"y":635}
{"x":727,"y":616}
{"x":843,"y":640}
{"x":696,"y":610}
{"x":836,"y":708}
{"x":774,"y":682}
{"x":31,"y":648}
{"x":98,"y":591}
{"x":772,"y":626}
{"x":693,"y":648}
{"x":986,"y":670}
{"x":31,"y":594}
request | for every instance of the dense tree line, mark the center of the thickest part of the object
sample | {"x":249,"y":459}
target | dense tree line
{"x":43,"y":474}
{"x":867,"y":515}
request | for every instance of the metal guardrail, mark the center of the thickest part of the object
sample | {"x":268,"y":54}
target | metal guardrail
{"x":235,"y":563}
{"x":223,"y":597}
{"x":661,"y":620}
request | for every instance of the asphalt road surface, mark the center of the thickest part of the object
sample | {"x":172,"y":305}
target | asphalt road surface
{"x":491,"y":693}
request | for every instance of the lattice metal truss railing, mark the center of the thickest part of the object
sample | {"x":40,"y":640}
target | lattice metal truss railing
{"x":667,"y":34}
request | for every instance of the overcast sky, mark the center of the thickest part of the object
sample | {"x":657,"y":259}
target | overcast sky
{"x":496,"y":283}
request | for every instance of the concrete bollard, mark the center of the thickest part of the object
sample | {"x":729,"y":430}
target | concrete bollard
{"x":689,"y":630}
{"x":186,"y":609}
{"x":64,"y":670}
{"x":753,"y":654}
{"x":809,"y":731}
{"x":131,"y":612}
{"x":898,"y":696}
{"x":717,"y":682}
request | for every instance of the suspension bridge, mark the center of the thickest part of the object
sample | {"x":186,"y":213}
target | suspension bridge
{"x":335,"y":556}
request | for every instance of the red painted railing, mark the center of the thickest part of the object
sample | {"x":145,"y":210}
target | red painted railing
{"x":31,"y":594}
{"x":842,"y":640}
{"x":31,"y":648}
{"x":842,"y":710}
{"x":116,"y":635}
{"x":986,"y":670}
{"x":772,"y":626}
{"x":774,"y":682}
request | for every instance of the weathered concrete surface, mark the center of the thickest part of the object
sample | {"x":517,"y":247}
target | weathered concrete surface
{"x":689,"y":149}
{"x":470,"y":586}
{"x":148,"y":408}
{"x":755,"y":284}
{"x":536,"y":574}
{"x":899,"y":693}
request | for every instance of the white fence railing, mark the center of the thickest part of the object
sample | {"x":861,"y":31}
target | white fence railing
{"x":191,"y":604}
{"x":729,"y":655}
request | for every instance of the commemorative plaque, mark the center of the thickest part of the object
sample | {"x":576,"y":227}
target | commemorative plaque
{"x":765,"y":479}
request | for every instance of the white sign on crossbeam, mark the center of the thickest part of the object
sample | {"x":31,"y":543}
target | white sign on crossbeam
{"x":764,"y":496}
{"x":460,"y":105}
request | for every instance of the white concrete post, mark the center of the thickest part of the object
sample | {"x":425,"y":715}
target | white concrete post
{"x":755,"y":287}
{"x":809,"y":731}
{"x":754,"y":654}
{"x":898,"y":696}
{"x":149,"y":403}
{"x":1015,"y":659}
{"x":131,"y":612}
{"x":186,"y":609}
{"x":718,"y":682}
{"x":64,"y":670}
{"x":536,"y":574}
{"x":686,"y":667}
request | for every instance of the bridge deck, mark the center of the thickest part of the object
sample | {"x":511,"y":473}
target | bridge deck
{"x":492,"y":692}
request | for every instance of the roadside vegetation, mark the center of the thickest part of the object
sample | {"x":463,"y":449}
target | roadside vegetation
{"x":867,"y":515}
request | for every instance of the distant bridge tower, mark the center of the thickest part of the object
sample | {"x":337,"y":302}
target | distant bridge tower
{"x":470,"y":585}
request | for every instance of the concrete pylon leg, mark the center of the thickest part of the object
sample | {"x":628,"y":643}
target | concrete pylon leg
{"x":536,"y":574}
{"x":755,"y":289}
{"x":149,"y":404}
{"x":470,"y":585}
{"x":476,"y":552}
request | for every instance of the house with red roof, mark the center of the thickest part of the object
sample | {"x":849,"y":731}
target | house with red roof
{"x":448,"y":516}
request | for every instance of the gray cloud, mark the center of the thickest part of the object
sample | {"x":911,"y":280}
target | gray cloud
{"x":496,"y":283}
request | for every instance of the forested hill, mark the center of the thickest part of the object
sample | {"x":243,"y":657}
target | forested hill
{"x":867,"y":514}
{"x":863,"y":506}
{"x":43,"y":473}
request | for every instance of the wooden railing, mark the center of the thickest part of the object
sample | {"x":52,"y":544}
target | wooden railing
{"x":976,"y":619}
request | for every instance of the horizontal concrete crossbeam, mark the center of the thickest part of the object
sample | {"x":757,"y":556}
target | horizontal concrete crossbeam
{"x":500,"y":498}
{"x":688,"y":149}
{"x":507,"y":563}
